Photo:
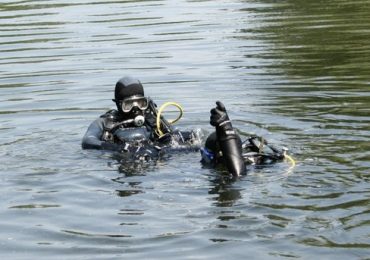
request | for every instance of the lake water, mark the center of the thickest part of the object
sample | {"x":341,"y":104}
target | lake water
{"x":296,"y":72}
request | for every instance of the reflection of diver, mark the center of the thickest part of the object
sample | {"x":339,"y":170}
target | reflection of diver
{"x":226,"y":193}
{"x":225,"y":146}
{"x":136,"y":129}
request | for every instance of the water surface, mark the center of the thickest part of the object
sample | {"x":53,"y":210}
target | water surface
{"x":296,"y":72}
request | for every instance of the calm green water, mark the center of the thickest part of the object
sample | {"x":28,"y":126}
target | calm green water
{"x":296,"y":72}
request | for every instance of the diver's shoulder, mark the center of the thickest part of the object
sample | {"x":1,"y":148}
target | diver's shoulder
{"x":112,"y":113}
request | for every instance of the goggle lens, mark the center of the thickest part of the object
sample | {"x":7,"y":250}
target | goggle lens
{"x":139,"y":102}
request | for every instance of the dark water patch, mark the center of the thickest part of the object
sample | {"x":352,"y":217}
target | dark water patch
{"x":124,"y":193}
{"x":79,"y":233}
{"x":119,"y":21}
{"x":34,"y":206}
{"x":324,"y":242}
{"x":21,"y":6}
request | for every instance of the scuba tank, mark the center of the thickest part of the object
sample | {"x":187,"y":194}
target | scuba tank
{"x":229,"y":141}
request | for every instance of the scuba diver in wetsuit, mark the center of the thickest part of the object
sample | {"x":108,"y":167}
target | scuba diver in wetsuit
{"x":137,"y":129}
{"x":224,"y":146}
{"x":133,"y":127}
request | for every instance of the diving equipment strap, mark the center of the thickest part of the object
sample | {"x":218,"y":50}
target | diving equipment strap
{"x":257,"y":145}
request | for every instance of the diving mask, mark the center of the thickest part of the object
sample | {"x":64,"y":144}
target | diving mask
{"x":136,"y":101}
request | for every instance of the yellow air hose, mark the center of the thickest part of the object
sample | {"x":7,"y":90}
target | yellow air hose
{"x":290,"y":159}
{"x":158,"y":121}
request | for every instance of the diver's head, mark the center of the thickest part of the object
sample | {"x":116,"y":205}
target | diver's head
{"x":129,"y":97}
{"x":212,"y":144}
{"x":211,"y":150}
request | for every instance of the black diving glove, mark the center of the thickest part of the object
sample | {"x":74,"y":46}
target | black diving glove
{"x":219,"y":115}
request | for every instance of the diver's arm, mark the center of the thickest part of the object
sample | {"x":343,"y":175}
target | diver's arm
{"x":229,"y":140}
{"x":92,"y":137}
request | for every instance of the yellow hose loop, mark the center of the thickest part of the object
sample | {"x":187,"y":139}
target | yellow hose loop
{"x":290,"y":159}
{"x":158,"y":121}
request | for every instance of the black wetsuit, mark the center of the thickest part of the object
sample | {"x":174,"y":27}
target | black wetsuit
{"x":224,"y":146}
{"x":110,"y":132}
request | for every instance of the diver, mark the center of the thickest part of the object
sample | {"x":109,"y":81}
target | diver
{"x":224,"y":146}
{"x":135,"y":127}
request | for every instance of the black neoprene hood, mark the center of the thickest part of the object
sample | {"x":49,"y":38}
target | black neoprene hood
{"x":212,"y":143}
{"x":127,"y":87}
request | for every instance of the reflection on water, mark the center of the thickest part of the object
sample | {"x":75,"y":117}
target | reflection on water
{"x":293,"y":71}
{"x":225,"y":193}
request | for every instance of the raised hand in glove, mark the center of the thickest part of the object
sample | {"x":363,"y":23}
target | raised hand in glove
{"x":228,"y":140}
{"x":219,"y":115}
